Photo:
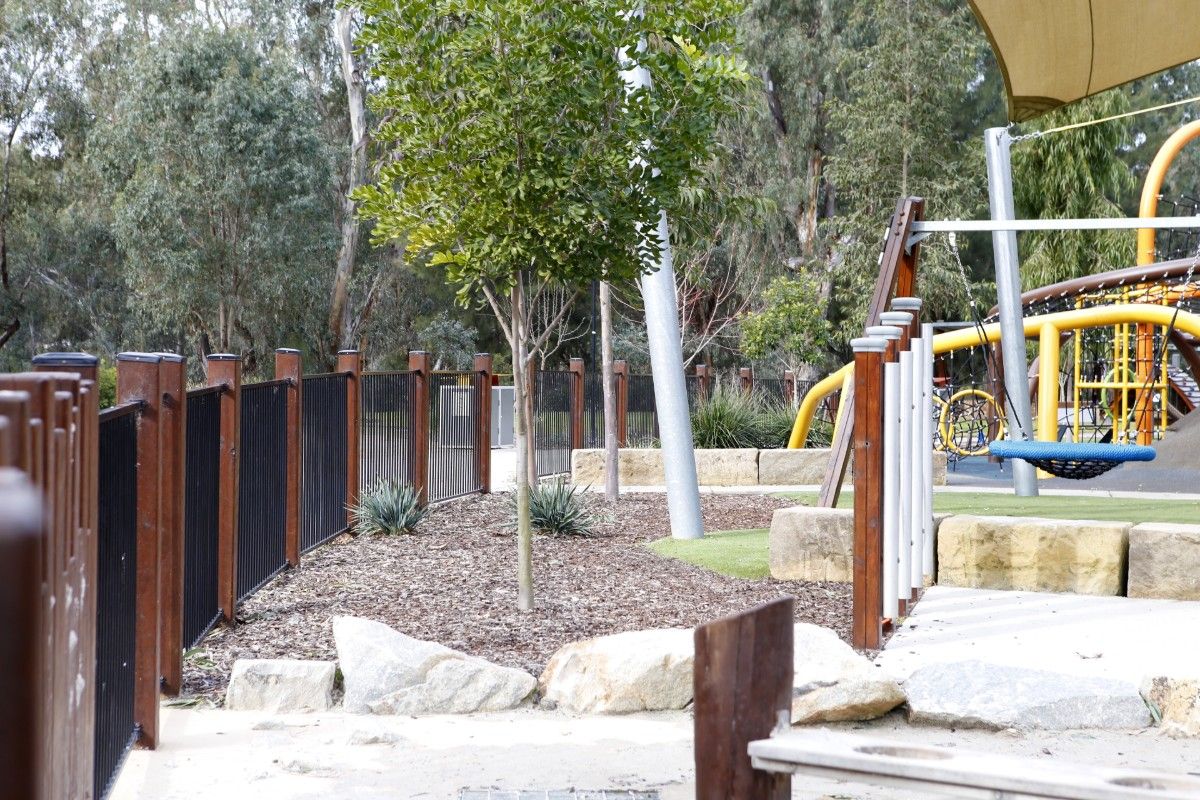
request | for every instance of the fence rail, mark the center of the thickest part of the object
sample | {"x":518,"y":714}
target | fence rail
{"x":323,"y":460}
{"x":262,"y":492}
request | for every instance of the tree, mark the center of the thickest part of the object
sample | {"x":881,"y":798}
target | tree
{"x":516,"y":156}
{"x":791,"y":325}
{"x":219,"y":183}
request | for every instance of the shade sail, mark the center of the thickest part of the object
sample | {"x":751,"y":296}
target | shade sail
{"x":1054,"y":52}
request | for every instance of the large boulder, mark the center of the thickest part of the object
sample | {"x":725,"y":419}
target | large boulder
{"x":386,"y":672}
{"x":812,"y":544}
{"x":1164,"y":561}
{"x":976,"y":694}
{"x":1033,"y":554}
{"x":783,"y":467}
{"x":1176,"y":701}
{"x":647,"y":670}
{"x":833,"y":683}
{"x":280,"y":685}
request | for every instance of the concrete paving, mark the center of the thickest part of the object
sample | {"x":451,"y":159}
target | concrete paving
{"x":1112,"y":637}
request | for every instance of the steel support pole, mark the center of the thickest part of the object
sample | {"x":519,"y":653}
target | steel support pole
{"x":666,"y":362}
{"x":1008,"y":299}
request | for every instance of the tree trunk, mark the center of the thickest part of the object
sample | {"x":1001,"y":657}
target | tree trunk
{"x":612,"y":486}
{"x":520,"y":438}
{"x":340,"y":332}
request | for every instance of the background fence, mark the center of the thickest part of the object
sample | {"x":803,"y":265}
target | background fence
{"x":201,"y":608}
{"x":553,"y":422}
{"x":262,"y":491}
{"x":323,"y":458}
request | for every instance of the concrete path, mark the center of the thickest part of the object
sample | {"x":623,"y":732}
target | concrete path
{"x":1114,"y":637}
{"x":233,"y":755}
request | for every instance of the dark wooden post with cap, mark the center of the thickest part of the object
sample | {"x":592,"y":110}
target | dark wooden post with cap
{"x":483,"y":419}
{"x":350,"y":362}
{"x":138,"y":381}
{"x":621,"y":381}
{"x":789,"y":387}
{"x":704,"y":379}
{"x":173,"y":379}
{"x":418,"y":365}
{"x":867,"y":601}
{"x":225,"y":369}
{"x":746,"y":379}
{"x":742,"y":690}
{"x":23,"y":733}
{"x":289,"y":367}
{"x":577,"y":390}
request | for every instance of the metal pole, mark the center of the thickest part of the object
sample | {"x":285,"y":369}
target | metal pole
{"x":666,"y":363}
{"x":927,"y":555}
{"x":1008,"y":299}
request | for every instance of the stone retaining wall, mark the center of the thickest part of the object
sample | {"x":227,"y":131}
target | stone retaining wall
{"x":734,"y":467}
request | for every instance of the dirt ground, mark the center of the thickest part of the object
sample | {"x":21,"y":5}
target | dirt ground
{"x":455,"y":583}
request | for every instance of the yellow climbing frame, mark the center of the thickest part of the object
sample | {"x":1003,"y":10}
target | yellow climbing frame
{"x":1047,"y":328}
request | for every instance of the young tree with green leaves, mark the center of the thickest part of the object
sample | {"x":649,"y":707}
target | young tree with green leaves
{"x":790,"y":326}
{"x":515,"y":153}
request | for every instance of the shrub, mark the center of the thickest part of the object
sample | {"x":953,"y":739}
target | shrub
{"x":388,"y":507}
{"x":557,"y":508}
{"x":107,"y":375}
{"x":726,"y":418}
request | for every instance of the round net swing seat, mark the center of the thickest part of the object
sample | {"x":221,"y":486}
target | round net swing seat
{"x":1076,"y":461}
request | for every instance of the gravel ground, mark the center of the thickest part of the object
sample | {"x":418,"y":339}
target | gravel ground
{"x":455,"y":583}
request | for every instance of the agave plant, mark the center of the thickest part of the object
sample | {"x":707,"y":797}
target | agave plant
{"x":557,"y":508}
{"x":388,"y":507}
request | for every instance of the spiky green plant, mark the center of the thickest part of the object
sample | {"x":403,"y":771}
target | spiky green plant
{"x":726,"y":418}
{"x":775,"y":420}
{"x":557,"y":508}
{"x":388,"y":507}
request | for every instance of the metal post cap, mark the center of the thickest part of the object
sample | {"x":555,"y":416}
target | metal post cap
{"x":224,"y":357}
{"x":143,"y":358}
{"x":907,"y":303}
{"x":884,"y":331}
{"x":66,"y":360}
{"x":900,"y":318}
{"x":868,"y":344}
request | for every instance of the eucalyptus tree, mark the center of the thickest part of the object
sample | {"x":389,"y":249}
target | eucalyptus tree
{"x":515,"y":157}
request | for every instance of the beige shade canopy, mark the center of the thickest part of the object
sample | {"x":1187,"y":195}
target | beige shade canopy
{"x":1054,"y":52}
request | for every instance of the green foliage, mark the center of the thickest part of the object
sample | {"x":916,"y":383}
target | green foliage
{"x":387,"y":508}
{"x":1076,"y":173}
{"x":107,"y":375}
{"x":790,"y":324}
{"x":731,"y":418}
{"x":557,"y":508}
{"x":514,"y":145}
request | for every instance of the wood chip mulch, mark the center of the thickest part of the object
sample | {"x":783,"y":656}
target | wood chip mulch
{"x":455,"y":583}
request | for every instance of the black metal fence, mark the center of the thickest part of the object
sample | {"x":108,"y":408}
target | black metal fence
{"x":202,"y":453}
{"x":641,"y":416}
{"x":323,"y":459}
{"x":593,"y":410}
{"x":386,"y":448}
{"x":552,"y":421}
{"x":453,"y":443}
{"x":116,"y":592}
{"x":773,"y":390}
{"x":262,"y":489}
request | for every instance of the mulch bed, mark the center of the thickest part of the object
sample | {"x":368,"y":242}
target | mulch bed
{"x":455,"y":583}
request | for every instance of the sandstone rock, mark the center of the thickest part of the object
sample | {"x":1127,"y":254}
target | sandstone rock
{"x":940,"y":462}
{"x":641,"y":467}
{"x":792,"y":467}
{"x":1177,"y":701}
{"x":731,"y":467}
{"x":975,"y":694}
{"x":1032,"y":554}
{"x":587,"y":467}
{"x":833,"y":683}
{"x":636,"y":671}
{"x":280,"y":685}
{"x":386,"y":672}
{"x":1164,"y":561}
{"x":812,"y":544}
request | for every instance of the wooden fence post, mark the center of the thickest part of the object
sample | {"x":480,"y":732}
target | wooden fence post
{"x":418,"y":364}
{"x":172,"y":372}
{"x":742,"y":685}
{"x":86,"y":452}
{"x":138,"y":381}
{"x":289,"y":367}
{"x":866,"y":624}
{"x":350,"y":362}
{"x":577,"y":389}
{"x":621,"y":378}
{"x":746,"y":379}
{"x":483,"y":419}
{"x":24,"y":731}
{"x":225,"y":370}
{"x":789,"y":387}
{"x":705,"y":379}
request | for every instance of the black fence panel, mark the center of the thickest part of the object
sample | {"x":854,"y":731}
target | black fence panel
{"x":453,"y":445}
{"x":552,"y":421}
{"x":201,"y":502}
{"x":262,"y":486}
{"x":593,"y":410}
{"x":323,"y":459}
{"x":116,"y":592}
{"x":773,"y":390}
{"x":641,"y":416}
{"x":695,"y":392}
{"x":386,"y":445}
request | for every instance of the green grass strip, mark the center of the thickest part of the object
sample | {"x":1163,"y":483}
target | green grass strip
{"x":738,"y":554}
